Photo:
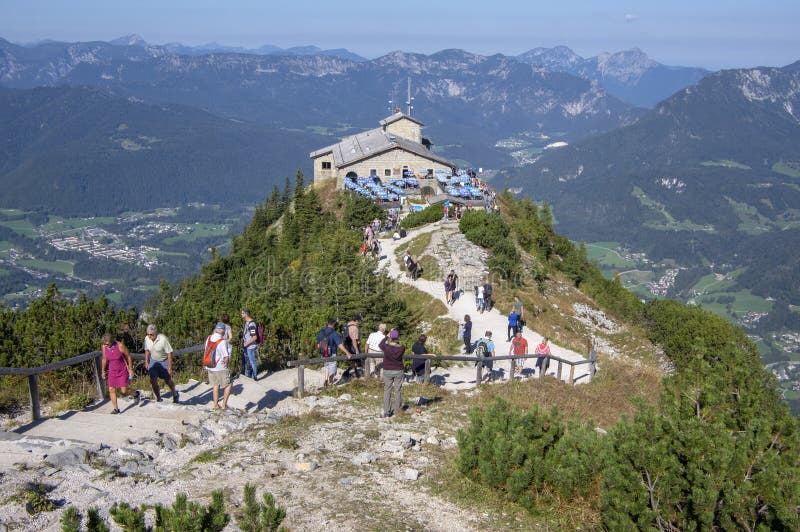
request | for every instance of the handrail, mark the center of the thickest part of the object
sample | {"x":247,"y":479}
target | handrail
{"x":300,"y":364}
{"x":33,"y":373}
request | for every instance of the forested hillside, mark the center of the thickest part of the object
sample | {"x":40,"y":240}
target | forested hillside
{"x":80,"y":151}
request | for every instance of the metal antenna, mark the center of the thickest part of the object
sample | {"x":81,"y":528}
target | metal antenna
{"x":410,"y":98}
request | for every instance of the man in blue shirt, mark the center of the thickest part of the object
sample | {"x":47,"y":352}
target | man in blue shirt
{"x":328,"y":343}
{"x":485,"y":348}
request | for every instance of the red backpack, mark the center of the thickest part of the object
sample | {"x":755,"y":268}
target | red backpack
{"x":210,"y":356}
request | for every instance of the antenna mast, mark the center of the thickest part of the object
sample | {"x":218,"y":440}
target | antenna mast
{"x":410,"y":98}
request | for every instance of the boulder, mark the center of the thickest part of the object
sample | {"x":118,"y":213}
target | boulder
{"x":67,"y":457}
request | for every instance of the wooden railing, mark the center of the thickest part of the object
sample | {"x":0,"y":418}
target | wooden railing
{"x":96,"y":356}
{"x":592,"y":361}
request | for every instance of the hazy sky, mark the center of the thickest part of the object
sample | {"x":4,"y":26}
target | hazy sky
{"x":709,"y":33}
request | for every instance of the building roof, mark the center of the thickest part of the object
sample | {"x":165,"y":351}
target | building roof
{"x":397,"y":116}
{"x":364,"y":145}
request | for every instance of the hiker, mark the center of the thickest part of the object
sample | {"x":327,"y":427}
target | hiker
{"x":117,"y":370}
{"x":484,"y":349}
{"x":376,"y":226}
{"x":352,"y":342}
{"x":249,"y":345}
{"x":520,"y":311}
{"x":519,"y":346}
{"x":467,"y":334}
{"x":487,"y":295}
{"x":450,"y":286}
{"x":374,"y":342}
{"x":125,"y":336}
{"x":513,"y":325}
{"x":393,"y":373}
{"x":480,"y":303}
{"x":158,"y":359}
{"x":328,"y":344}
{"x":418,"y":364}
{"x":543,"y":362}
{"x":219,"y":376}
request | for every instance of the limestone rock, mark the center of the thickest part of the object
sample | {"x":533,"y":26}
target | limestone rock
{"x":67,"y":457}
{"x":305,"y":467}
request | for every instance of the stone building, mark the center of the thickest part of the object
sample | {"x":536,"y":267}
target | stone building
{"x":386,"y":152}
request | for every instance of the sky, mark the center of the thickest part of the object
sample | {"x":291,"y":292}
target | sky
{"x":709,"y":33}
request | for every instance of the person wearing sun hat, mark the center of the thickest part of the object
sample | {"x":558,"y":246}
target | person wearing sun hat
{"x":393,"y":373}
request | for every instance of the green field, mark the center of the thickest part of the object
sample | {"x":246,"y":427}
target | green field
{"x":744,"y":302}
{"x":199,"y":231}
{"x":788,"y":168}
{"x":11,"y":213}
{"x":59,"y":266}
{"x":752,"y":221}
{"x":56,"y":224}
{"x":23,"y":227}
{"x":711,"y":283}
{"x":671,"y":223}
{"x":605,"y":254}
{"x":5,"y":245}
{"x":726,"y":163}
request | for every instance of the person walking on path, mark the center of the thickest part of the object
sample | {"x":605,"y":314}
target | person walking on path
{"x":467,"y":334}
{"x":158,"y":359}
{"x":513,"y":325}
{"x":418,"y":364}
{"x":219,"y":376}
{"x":487,"y":295}
{"x":117,"y":370}
{"x":374,"y":342}
{"x":249,"y":345}
{"x":393,"y":373}
{"x":543,"y":362}
{"x":480,"y":303}
{"x":329,"y":343}
{"x":450,"y":286}
{"x":519,"y":346}
{"x":520,"y":310}
{"x":485,"y":348}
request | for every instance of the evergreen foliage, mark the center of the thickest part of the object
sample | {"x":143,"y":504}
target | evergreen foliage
{"x":71,"y":520}
{"x":263,"y":516}
{"x":95,"y":523}
{"x":127,"y":517}
{"x":190,"y":516}
{"x":293,"y":271}
{"x":430,"y":214}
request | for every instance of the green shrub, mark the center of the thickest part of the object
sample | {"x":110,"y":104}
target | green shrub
{"x":190,"y":516}
{"x":576,"y":461}
{"x":95,"y":523}
{"x":128,"y":518}
{"x":36,"y":500}
{"x":430,"y":214}
{"x":263,"y":516}
{"x":71,"y":520}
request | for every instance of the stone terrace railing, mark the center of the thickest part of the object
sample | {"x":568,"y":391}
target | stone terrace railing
{"x":97,"y":356}
{"x":592,"y":361}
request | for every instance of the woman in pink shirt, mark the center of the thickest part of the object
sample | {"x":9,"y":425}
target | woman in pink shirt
{"x":117,"y":369}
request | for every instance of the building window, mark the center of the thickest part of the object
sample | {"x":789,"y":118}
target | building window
{"x":387,"y":172}
{"x":326,"y":165}
{"x":373,"y":172}
{"x":430,"y":172}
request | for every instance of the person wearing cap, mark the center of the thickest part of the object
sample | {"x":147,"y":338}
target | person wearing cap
{"x":393,"y":373}
{"x":219,"y":376}
{"x":158,"y":359}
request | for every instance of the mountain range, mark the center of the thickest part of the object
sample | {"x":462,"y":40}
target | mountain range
{"x":630,"y":75}
{"x":710,"y":176}
{"x":86,"y":152}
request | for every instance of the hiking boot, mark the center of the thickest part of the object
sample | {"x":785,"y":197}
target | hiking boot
{"x":158,"y":399}
{"x":115,"y":411}
{"x":137,"y":397}
{"x":176,"y":397}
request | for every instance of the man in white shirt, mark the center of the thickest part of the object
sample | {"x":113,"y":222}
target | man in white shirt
{"x":374,"y":340}
{"x":158,"y":359}
{"x":219,"y":375}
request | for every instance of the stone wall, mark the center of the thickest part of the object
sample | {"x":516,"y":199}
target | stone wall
{"x":407,"y":129}
{"x":393,"y":161}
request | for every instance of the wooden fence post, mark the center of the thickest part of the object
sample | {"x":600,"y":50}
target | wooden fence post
{"x":592,"y":363}
{"x":571,"y":374}
{"x":478,"y":373}
{"x":102,"y":392}
{"x":367,"y":366}
{"x":427,"y":379}
{"x":301,"y":380}
{"x":559,"y":370}
{"x":33,"y":394}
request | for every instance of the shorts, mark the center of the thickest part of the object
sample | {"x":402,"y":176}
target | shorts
{"x":219,"y":378}
{"x":158,"y":370}
{"x":330,"y":369}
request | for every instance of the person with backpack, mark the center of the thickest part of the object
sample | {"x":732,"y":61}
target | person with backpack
{"x":249,"y":345}
{"x":328,"y":343}
{"x":216,"y":358}
{"x":487,"y":295}
{"x":543,"y":362}
{"x":483,"y":350}
{"x":393,"y":373}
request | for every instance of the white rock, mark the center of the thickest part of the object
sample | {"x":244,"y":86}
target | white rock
{"x":305,"y":467}
{"x":410,"y":474}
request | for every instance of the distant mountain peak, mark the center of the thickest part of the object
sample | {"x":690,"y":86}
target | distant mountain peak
{"x":133,"y":39}
{"x":558,"y":56}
